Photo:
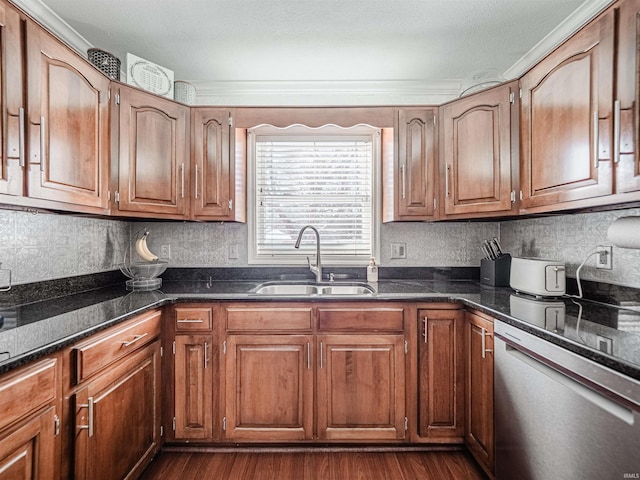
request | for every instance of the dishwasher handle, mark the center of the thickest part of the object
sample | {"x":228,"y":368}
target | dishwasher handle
{"x":596,"y":398}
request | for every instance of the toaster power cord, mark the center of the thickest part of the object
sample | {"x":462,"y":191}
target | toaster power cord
{"x":593,"y":252}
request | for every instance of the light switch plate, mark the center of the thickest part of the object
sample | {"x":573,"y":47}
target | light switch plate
{"x":233,"y":251}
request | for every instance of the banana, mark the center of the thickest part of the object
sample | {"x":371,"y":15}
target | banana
{"x":143,"y":251}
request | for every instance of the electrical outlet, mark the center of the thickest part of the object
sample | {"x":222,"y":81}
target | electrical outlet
{"x":604,"y":257}
{"x":398,"y":250}
{"x":165,"y":252}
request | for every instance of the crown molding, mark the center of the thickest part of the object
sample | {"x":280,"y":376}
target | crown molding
{"x":326,"y":92}
{"x":580,"y":17}
{"x":42,"y":14}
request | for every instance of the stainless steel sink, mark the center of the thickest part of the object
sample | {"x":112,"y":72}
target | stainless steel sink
{"x":292,"y":289}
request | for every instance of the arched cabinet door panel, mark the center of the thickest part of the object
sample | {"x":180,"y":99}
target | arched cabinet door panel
{"x":67,"y":125}
{"x":153,"y":173}
{"x":566,"y":121}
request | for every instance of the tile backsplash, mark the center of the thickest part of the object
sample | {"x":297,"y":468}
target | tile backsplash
{"x":427,"y":244}
{"x":570,"y":238}
{"x":44,"y":246}
{"x":47,"y":246}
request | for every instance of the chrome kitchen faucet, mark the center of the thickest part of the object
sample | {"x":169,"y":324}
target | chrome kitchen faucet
{"x":317,"y":269}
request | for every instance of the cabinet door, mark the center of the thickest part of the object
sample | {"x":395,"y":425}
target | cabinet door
{"x":441,"y":375}
{"x":361,"y":387}
{"x":28,"y":452}
{"x":479,"y":433}
{"x":566,"y":122}
{"x":627,"y":106}
{"x":153,"y":168}
{"x":476,"y":166}
{"x":118,"y":418}
{"x":12,"y":122}
{"x":195,"y":364}
{"x":68,"y":124}
{"x":413,"y":184}
{"x":212,"y":182}
{"x":269,"y":387}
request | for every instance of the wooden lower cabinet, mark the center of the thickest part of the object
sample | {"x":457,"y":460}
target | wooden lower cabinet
{"x":29,"y":451}
{"x":269,"y":388}
{"x":118,"y":418}
{"x":479,"y":431}
{"x":361,"y":387}
{"x":29,"y":424}
{"x":441,"y":376}
{"x":195,"y":365}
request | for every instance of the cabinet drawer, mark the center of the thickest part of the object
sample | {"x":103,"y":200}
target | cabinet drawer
{"x":97,"y":353}
{"x":189,"y":319}
{"x":370,"y":319}
{"x":23,"y":392}
{"x":269,"y":318}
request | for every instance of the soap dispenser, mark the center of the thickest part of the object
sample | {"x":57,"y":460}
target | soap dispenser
{"x":372,"y":270}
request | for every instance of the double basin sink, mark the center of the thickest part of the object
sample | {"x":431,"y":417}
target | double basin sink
{"x":313,"y":289}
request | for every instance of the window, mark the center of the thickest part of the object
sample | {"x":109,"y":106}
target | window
{"x":326,"y":177}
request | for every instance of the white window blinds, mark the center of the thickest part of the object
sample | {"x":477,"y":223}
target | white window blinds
{"x":321,"y":177}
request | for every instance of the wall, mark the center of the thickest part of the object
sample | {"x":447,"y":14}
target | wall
{"x":570,"y":238}
{"x":45,"y":246}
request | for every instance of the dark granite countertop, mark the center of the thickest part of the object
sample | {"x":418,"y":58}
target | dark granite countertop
{"x":607,"y":334}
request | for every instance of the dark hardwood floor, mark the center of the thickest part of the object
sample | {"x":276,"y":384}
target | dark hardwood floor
{"x":310,"y":465}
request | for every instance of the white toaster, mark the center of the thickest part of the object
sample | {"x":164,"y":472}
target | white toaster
{"x":543,"y":278}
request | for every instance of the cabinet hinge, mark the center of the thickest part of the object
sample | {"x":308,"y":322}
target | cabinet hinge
{"x":520,"y":194}
{"x":512,"y":98}
{"x":108,"y":195}
{"x":224,"y":424}
{"x":406,"y":347}
{"x":230,"y":204}
{"x":116,"y":196}
{"x":230,"y":121}
{"x":173,"y":424}
{"x":513,"y":196}
{"x":56,"y":425}
{"x":520,"y":94}
{"x":434,"y":120}
{"x":109,"y":94}
{"x":224,"y":347}
{"x":406,"y":424}
{"x":117,"y":99}
{"x":435,"y":203}
{"x":161,"y":351}
{"x":161,"y":431}
{"x":174,"y":347}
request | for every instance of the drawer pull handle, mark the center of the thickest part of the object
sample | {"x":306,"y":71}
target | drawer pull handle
{"x":89,"y":406}
{"x":191,"y":320}
{"x":134,"y":340}
{"x":485,"y":350}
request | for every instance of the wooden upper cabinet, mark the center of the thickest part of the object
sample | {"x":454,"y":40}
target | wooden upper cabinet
{"x":218,"y":166}
{"x":627,"y":101}
{"x":408,"y":179}
{"x":153,"y":168}
{"x":566,"y":122}
{"x":12,"y":103}
{"x":68,"y":125}
{"x":478,"y":152}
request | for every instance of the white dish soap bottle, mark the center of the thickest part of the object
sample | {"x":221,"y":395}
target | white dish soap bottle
{"x":372,"y":270}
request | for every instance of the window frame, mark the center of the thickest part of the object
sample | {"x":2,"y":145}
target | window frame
{"x":296,"y":258}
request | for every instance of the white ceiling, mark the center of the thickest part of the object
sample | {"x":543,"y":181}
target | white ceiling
{"x":248,"y":48}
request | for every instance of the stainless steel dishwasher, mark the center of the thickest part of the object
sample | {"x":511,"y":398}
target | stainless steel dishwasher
{"x":559,"y":415}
